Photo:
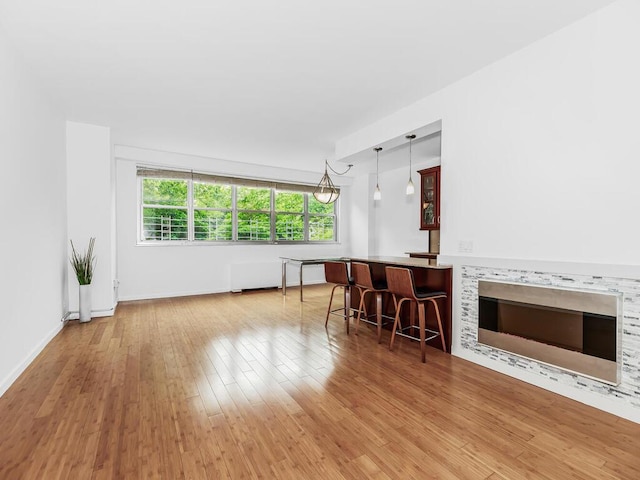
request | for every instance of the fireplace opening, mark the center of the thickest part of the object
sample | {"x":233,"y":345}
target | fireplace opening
{"x":570,"y":329}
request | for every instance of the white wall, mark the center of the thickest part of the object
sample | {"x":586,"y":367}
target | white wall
{"x":360,"y":218}
{"x":539,"y":153}
{"x":33,"y":284}
{"x":151,"y":271}
{"x":89,"y":207}
{"x":539,"y":150}
{"x":396,"y":228}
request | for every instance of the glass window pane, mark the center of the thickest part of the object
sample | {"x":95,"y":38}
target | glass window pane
{"x":164,"y":224}
{"x":156,"y":191}
{"x":254,"y":226}
{"x":254,"y":198}
{"x":289,"y":202}
{"x":316,"y":207}
{"x":321,"y":228}
{"x":209,"y":195}
{"x":290,"y":227}
{"x":212,"y":225}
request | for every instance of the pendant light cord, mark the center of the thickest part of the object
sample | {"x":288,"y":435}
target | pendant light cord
{"x":326,"y":163}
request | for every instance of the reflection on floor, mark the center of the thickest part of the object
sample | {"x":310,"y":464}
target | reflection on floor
{"x":253,"y":386}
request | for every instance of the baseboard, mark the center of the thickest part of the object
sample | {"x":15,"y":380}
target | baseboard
{"x":153,"y":296}
{"x":16,"y":372}
{"x":293,"y":284}
{"x":74,"y":314}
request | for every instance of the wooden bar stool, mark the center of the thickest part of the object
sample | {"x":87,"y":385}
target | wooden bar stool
{"x":401,"y":283}
{"x":338,"y":274}
{"x":362,"y":278}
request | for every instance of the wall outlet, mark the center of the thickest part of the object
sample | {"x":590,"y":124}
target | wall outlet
{"x":465,"y":246}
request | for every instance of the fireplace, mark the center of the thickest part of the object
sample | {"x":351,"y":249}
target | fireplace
{"x":576,"y":330}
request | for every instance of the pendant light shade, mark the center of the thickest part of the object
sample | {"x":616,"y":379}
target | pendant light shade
{"x":326,"y":192}
{"x":377,"y":194}
{"x":410,"y":188}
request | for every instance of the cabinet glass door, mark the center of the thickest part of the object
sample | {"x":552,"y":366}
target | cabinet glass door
{"x":430,"y":208}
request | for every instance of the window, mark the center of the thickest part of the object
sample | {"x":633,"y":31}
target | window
{"x":254,"y":213}
{"x":164,"y":212}
{"x":321,"y":220}
{"x":182,"y":207}
{"x":290,"y":216}
{"x":212,"y":212}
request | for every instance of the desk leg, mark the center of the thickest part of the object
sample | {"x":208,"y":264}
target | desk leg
{"x":284,"y":277}
{"x":301,"y":265}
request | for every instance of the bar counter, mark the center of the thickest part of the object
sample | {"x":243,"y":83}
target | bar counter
{"x":427,"y":274}
{"x":402,"y":262}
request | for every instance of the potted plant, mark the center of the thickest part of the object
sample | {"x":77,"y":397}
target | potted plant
{"x":84,"y":264}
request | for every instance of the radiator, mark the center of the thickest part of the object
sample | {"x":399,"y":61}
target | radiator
{"x":244,"y":276}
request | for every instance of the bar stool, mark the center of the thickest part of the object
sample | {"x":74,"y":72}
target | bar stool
{"x":400,"y":282}
{"x":363,"y":279}
{"x":338,"y":274}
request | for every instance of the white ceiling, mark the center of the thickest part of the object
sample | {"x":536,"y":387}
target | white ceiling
{"x":262,"y":82}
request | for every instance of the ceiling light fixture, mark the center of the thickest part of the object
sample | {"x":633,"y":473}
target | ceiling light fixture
{"x":410,"y":187}
{"x":377,"y":194}
{"x":326,"y":192}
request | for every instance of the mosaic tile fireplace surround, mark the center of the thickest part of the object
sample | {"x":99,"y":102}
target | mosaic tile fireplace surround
{"x":628,"y":388}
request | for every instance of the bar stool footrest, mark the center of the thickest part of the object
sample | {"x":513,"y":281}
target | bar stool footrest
{"x":352,"y":312}
{"x":365,"y":318}
{"x":434,"y":333}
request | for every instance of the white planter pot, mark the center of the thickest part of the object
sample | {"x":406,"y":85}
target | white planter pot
{"x":85,"y":303}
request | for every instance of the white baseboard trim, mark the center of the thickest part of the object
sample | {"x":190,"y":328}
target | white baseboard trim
{"x":16,"y":372}
{"x":74,"y":315}
{"x":306,"y":282}
{"x":153,"y":296}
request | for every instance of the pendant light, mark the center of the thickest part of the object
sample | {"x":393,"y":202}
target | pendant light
{"x":377,"y":194}
{"x":326,"y":192}
{"x":410,"y":188}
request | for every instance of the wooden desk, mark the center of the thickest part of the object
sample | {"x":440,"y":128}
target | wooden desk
{"x":302,"y":261}
{"x":426,"y":275}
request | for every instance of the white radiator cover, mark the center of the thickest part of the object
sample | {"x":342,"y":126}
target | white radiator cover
{"x":244,"y":276}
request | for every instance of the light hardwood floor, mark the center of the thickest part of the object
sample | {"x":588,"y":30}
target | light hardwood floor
{"x":253,"y":386}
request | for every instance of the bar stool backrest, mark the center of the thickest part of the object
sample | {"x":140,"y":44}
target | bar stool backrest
{"x":336,"y":272}
{"x":362,"y":274}
{"x":400,"y":282}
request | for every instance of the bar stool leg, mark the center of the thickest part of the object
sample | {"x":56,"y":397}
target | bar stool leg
{"x":379,"y":314}
{"x":422,"y":327}
{"x":395,"y":323}
{"x":360,"y":308}
{"x":437,"y":309}
{"x":326,"y":322}
{"x":347,"y":306}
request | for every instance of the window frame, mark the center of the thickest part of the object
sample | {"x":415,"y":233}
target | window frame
{"x":274,"y":187}
{"x":304,"y":214}
{"x":210,"y":209}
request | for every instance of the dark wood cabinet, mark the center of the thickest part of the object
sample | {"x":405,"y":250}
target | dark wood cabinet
{"x":430,"y":198}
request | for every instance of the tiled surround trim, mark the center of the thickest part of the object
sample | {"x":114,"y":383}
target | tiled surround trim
{"x":629,"y":388}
